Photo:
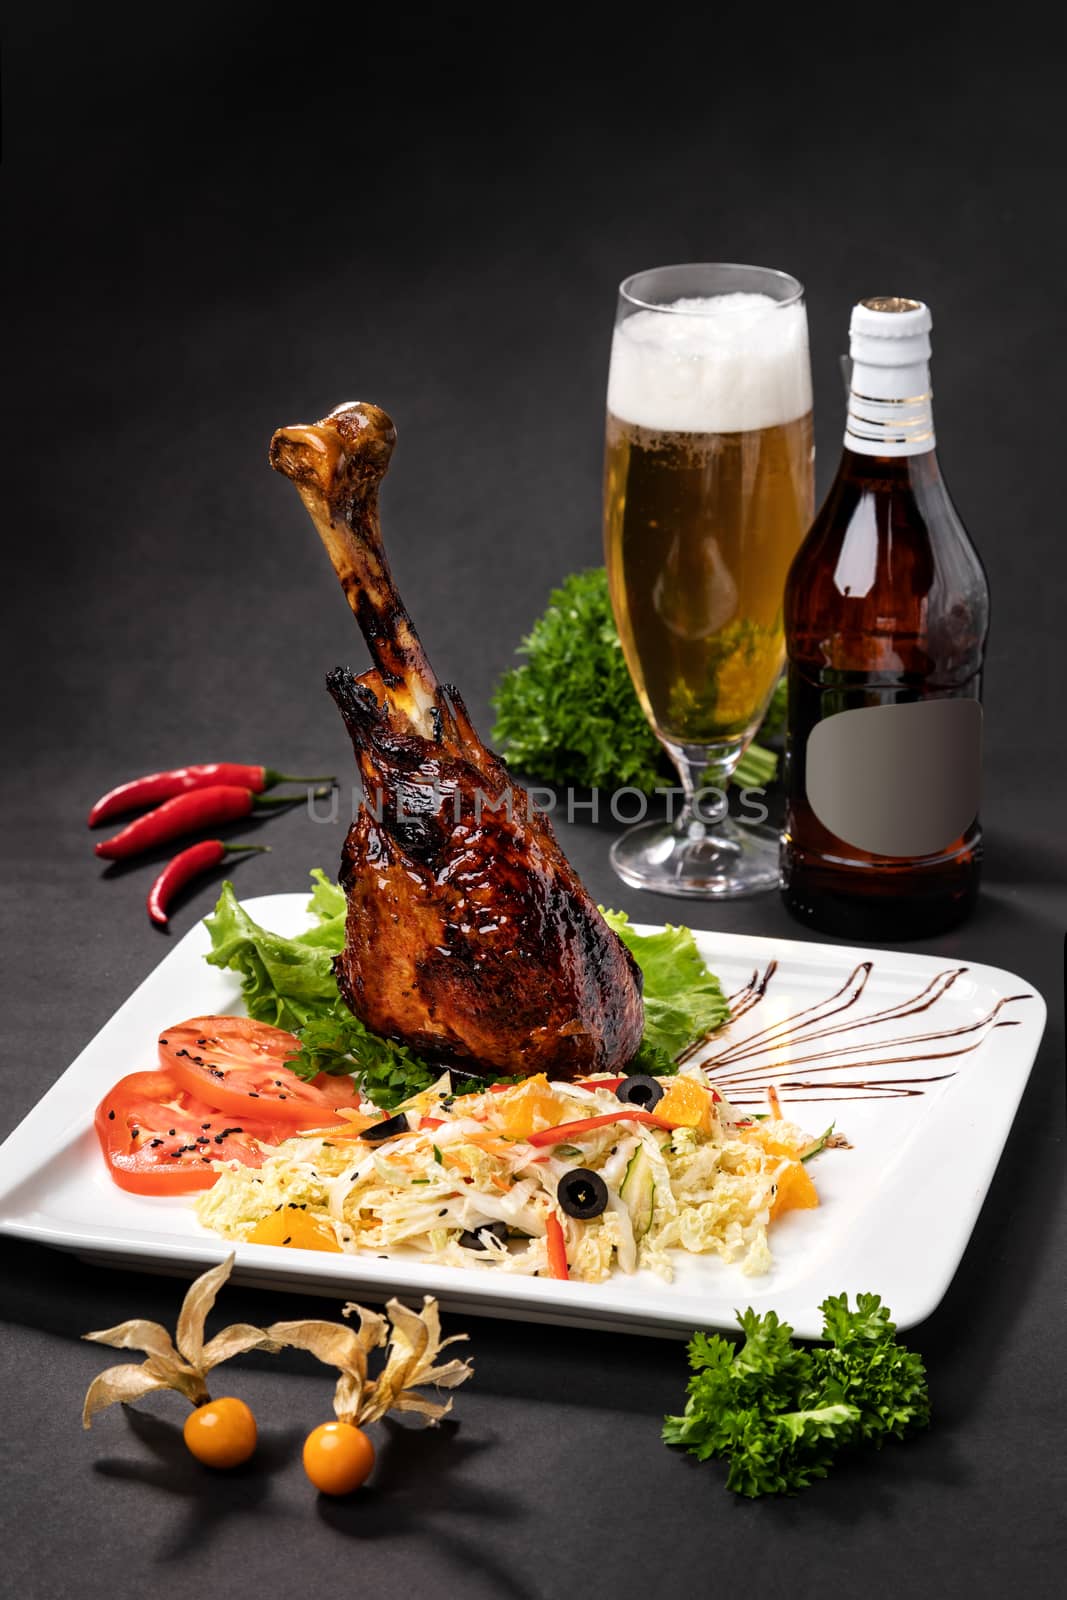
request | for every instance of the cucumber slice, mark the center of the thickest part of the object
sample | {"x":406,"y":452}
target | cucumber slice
{"x":816,"y":1145}
{"x":638,"y":1192}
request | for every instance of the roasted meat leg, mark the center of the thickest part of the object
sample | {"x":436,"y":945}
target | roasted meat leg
{"x":469,"y":936}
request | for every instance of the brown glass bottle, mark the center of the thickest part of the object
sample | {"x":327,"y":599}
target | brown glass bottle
{"x":886,"y":606}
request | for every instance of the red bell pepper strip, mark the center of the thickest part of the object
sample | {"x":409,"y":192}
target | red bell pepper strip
{"x":574,"y":1130}
{"x":187,"y":865}
{"x":156,"y":787}
{"x":557,"y":1247}
{"x":427,"y":1124}
{"x":187,"y":813}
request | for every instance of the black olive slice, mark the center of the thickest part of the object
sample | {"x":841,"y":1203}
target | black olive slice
{"x":640,"y":1090}
{"x":582,"y":1193}
{"x":464,"y":1082}
{"x":385,"y":1130}
{"x":472,"y":1239}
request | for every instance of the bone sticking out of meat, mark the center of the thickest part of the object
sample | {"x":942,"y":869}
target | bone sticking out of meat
{"x":468,"y":937}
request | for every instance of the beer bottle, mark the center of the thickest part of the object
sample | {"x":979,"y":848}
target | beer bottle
{"x":886,"y":615}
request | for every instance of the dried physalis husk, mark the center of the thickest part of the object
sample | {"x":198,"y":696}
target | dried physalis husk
{"x":182,"y":1363}
{"x":415,"y":1342}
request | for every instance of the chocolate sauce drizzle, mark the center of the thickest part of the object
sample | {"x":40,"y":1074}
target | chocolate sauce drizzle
{"x":745,"y":1068}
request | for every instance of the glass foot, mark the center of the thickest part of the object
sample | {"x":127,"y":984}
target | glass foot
{"x":721,"y":861}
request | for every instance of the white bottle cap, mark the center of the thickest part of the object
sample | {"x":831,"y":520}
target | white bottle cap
{"x":887,"y":331}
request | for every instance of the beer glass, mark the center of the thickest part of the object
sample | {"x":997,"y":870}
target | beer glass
{"x":707,"y":496}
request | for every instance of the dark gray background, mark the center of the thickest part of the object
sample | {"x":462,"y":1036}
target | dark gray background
{"x":221,"y":219}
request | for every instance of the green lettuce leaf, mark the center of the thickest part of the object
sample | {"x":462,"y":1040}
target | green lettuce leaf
{"x":285,"y":982}
{"x":683,"y":999}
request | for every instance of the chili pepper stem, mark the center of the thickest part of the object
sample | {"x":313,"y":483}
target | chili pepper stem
{"x":229,"y":849}
{"x":288,"y":799}
{"x":271,"y":778}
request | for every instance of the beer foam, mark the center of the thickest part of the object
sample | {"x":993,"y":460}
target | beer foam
{"x":723,"y":364}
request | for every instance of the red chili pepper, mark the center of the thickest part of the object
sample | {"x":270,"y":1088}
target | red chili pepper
{"x":188,"y":813}
{"x":557,"y":1247}
{"x":156,"y":787}
{"x":189,"y":864}
{"x":572,"y":1130}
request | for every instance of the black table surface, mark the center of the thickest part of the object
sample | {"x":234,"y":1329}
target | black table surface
{"x":257,"y":214}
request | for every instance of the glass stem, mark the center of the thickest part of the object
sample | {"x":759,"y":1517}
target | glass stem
{"x":705,"y":771}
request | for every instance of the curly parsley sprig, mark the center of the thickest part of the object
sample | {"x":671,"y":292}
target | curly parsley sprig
{"x":569,"y":714}
{"x":779,"y":1414}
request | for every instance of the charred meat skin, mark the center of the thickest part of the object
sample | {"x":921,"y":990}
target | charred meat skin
{"x":469,"y":937}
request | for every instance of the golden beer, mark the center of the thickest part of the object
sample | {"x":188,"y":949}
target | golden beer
{"x":700,"y":529}
{"x":707,"y":497}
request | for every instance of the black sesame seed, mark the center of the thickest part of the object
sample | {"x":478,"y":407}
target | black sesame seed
{"x":288,"y":1239}
{"x":111,"y":1116}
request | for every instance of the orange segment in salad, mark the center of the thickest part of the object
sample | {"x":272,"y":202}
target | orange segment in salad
{"x":293,"y":1227}
{"x":796,"y":1192}
{"x":687,"y":1104}
{"x":770,"y":1146}
{"x":523,"y":1110}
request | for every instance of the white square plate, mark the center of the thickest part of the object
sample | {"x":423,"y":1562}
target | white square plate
{"x":925,"y":1096}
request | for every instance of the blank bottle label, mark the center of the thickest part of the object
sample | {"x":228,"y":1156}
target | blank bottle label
{"x":899,"y":781}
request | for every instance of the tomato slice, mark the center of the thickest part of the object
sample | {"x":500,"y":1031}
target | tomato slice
{"x":238,"y":1066}
{"x":339,"y":1089}
{"x":159,"y":1140}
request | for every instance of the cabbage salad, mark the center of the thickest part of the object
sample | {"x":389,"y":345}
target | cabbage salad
{"x":538,"y":1178}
